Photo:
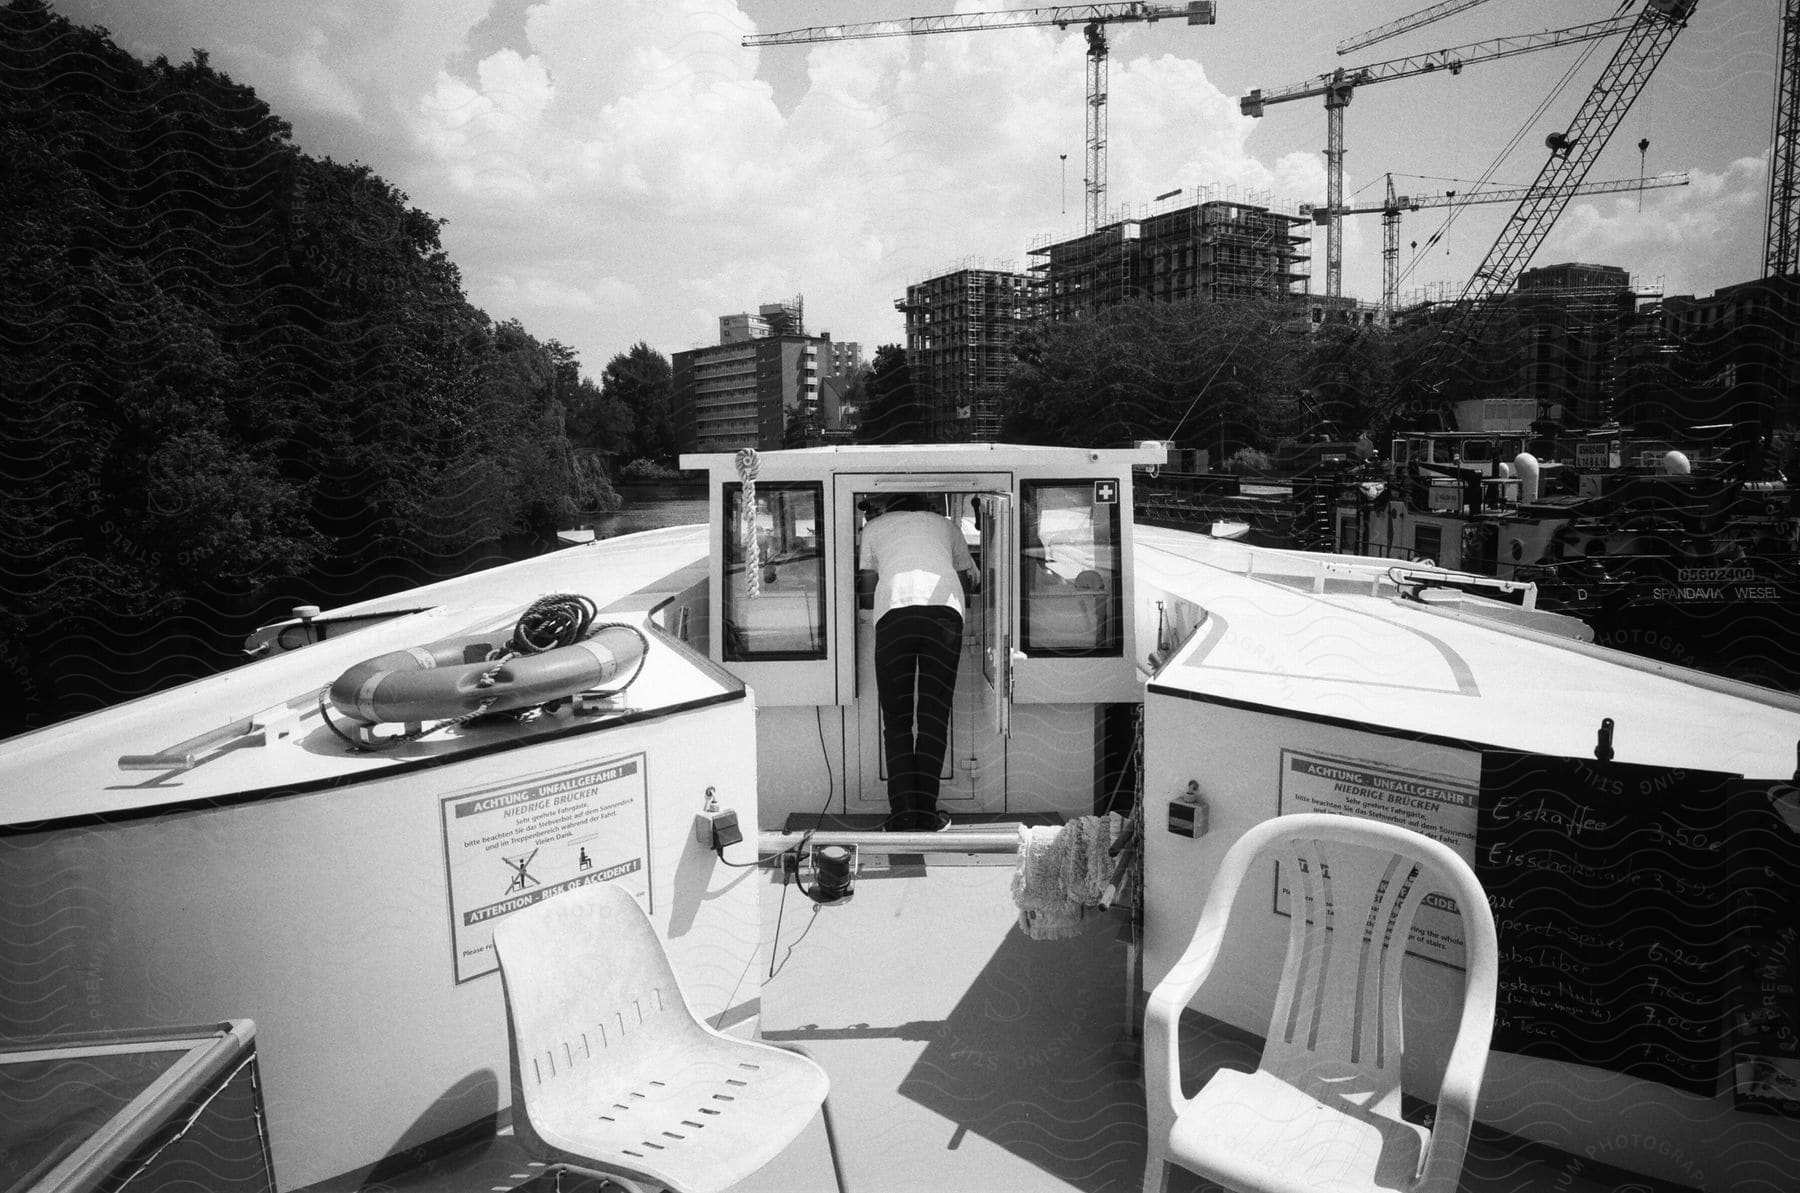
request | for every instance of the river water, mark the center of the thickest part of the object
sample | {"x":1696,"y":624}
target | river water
{"x":650,"y":507}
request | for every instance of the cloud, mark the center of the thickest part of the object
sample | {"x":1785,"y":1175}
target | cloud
{"x":321,"y":88}
{"x":540,"y":291}
{"x":1679,"y":232}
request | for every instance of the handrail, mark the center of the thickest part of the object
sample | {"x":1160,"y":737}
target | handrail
{"x":1002,"y":838}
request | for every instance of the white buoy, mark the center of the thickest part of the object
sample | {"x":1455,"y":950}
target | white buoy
{"x":1676,"y":464}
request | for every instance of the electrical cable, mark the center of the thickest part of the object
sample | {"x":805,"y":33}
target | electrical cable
{"x":825,"y":756}
{"x":798,"y":939}
{"x":719,"y":852}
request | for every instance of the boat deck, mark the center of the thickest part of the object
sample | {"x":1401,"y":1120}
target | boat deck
{"x":965,"y":1056}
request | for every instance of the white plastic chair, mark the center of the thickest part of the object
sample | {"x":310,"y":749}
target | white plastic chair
{"x":613,"y":1075}
{"x":1321,"y":1113}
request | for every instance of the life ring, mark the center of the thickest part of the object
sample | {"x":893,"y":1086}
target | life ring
{"x":445,"y":679}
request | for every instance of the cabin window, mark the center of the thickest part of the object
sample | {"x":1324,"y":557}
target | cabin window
{"x":1428,"y":542}
{"x":785,"y":618}
{"x":1069,"y":568}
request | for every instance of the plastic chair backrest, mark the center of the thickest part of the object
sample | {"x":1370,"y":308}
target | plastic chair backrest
{"x":589,"y":1021}
{"x":1354,"y":887}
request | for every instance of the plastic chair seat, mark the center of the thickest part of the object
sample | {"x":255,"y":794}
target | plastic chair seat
{"x":724,"y":1109}
{"x":614,"y":1074}
{"x":1321,"y":1113}
{"x":1254,"y":1130}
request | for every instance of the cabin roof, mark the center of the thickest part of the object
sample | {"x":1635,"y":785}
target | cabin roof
{"x":1396,"y":666}
{"x":72,"y":768}
{"x":819,"y":462}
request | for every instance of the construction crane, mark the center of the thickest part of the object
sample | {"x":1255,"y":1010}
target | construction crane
{"x":1781,"y":249}
{"x":1405,"y":24}
{"x":1572,"y":153}
{"x":1093,"y":18}
{"x":1336,"y":87}
{"x":1393,"y":205}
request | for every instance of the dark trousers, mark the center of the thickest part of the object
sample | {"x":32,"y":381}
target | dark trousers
{"x":916,"y":652}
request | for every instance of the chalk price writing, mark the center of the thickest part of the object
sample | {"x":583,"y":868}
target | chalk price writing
{"x":1660,"y":1017}
{"x":1679,"y":994}
{"x":1661,"y":953}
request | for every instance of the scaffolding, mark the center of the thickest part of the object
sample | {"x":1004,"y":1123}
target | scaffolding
{"x":960,"y":330}
{"x":1214,"y":249}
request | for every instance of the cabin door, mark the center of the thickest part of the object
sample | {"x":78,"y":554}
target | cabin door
{"x":994,"y":624}
{"x":973,"y":778}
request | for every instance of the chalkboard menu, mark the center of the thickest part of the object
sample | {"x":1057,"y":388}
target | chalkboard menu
{"x":1765,"y":842}
{"x":1613,"y":897}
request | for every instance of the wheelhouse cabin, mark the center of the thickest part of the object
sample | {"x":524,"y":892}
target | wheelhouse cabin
{"x":1052,"y":645}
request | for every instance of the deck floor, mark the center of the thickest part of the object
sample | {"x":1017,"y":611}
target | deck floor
{"x":966,"y":1056}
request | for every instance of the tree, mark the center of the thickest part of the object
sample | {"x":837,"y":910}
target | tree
{"x":891,"y":411}
{"x":1148,"y":370}
{"x":637,"y":387}
{"x":801,"y":428}
{"x":1347,"y":378}
{"x":226,"y":362}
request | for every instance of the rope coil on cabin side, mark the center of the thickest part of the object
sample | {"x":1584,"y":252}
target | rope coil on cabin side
{"x":748,"y":464}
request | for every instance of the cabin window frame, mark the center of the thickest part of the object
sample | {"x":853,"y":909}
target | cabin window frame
{"x":731,"y":646}
{"x":1432,"y":532}
{"x":1032,"y":570}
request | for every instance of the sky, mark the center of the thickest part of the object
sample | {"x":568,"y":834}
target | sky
{"x":624,"y":171}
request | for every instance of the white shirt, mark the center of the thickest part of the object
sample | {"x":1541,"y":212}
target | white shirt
{"x":917,"y":556}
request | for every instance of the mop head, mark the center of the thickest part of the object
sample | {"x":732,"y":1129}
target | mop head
{"x":1063,"y":871}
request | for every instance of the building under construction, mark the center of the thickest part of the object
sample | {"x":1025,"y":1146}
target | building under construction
{"x":1576,"y":320}
{"x":1217,"y":249}
{"x":960,"y":330}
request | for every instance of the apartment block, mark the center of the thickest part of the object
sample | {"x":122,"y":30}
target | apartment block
{"x":960,"y":330}
{"x":760,"y":386}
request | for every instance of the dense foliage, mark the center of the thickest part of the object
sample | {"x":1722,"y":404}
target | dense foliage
{"x":891,"y":410}
{"x":1210,"y":374}
{"x":1188,"y":372}
{"x":635,"y":393}
{"x":225,"y":362}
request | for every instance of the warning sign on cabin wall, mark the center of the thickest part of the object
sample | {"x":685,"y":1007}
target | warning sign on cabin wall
{"x":515,"y":844}
{"x":1442,"y":807}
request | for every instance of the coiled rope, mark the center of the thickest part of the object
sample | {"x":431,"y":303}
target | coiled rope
{"x":560,"y":619}
{"x":748,"y":464}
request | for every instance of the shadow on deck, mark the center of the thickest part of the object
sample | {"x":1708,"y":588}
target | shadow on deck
{"x":965,"y":1056}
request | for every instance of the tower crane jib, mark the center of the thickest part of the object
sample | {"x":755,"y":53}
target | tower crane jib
{"x":1093,"y":18}
{"x":1395,"y":204}
{"x":1337,"y":86}
{"x":1405,"y":24}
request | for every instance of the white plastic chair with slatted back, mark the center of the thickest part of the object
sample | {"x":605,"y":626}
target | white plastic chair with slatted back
{"x":1321,"y":1113}
{"x":613,"y":1075}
